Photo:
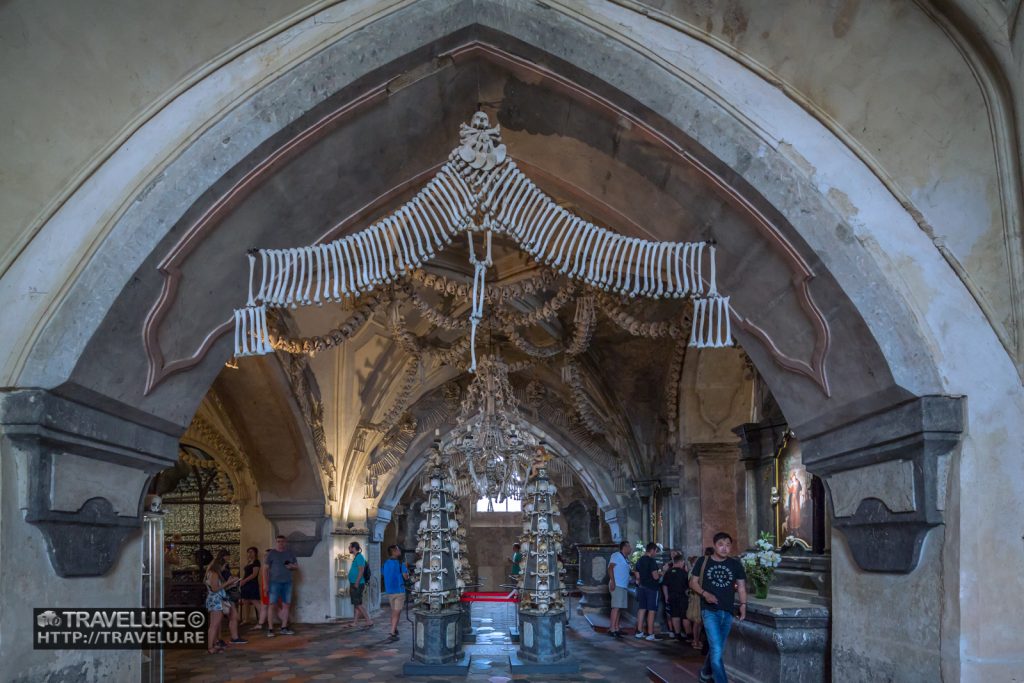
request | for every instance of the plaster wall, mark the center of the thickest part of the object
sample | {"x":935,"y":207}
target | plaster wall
{"x":489,"y":537}
{"x":256,"y":530}
{"x":313,"y":600}
{"x":721,"y":494}
{"x":29,"y":581}
{"x":110,"y":67}
{"x":716,"y":390}
{"x":868,"y":69}
{"x":903,"y":638}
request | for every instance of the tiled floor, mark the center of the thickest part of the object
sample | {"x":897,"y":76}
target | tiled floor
{"x":332,"y":652}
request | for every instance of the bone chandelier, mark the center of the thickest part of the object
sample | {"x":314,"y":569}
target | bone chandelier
{"x":481,"y":190}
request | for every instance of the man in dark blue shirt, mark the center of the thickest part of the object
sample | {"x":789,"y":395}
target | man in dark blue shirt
{"x":648,"y":576}
{"x":395,"y":574}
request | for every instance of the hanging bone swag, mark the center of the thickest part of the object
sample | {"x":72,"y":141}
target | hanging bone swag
{"x":478,"y":192}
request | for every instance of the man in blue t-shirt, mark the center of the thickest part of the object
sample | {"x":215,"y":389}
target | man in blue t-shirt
{"x":357,"y":584}
{"x":395,"y":574}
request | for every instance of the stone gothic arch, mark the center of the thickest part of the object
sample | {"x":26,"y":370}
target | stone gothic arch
{"x":862,"y":330}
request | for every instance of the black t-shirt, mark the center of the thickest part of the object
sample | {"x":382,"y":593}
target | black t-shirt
{"x":645,"y":567}
{"x":676,"y":580}
{"x":718,"y":580}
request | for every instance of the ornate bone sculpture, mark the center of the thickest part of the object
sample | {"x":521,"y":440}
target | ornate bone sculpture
{"x":540,"y":584}
{"x":481,"y":190}
{"x":440,"y":571}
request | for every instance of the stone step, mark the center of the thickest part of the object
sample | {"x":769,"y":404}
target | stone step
{"x":670,"y":672}
{"x":814,"y":583}
{"x":601,"y":622}
{"x":796,"y":593}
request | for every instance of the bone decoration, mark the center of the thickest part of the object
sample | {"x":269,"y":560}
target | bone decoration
{"x":481,"y":190}
{"x":439,"y":577}
{"x":540,"y":584}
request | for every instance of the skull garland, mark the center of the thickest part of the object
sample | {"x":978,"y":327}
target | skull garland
{"x":440,"y":570}
{"x":540,"y":583}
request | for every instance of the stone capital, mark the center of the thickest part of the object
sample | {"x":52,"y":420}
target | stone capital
{"x":87,"y":473}
{"x":758,"y":441}
{"x":302,"y":522}
{"x":377,"y":520}
{"x":886,"y":475}
{"x":715,"y":451}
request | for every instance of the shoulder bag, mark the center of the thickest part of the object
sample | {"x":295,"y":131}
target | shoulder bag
{"x":693,"y":609}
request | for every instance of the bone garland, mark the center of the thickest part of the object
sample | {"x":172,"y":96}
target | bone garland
{"x":584,"y":408}
{"x":251,"y":332}
{"x":557,"y":413}
{"x":336,"y":337}
{"x":572,"y":245}
{"x":221,"y":478}
{"x":403,"y":400}
{"x":364,"y":260}
{"x":435,"y":317}
{"x":583,"y":332}
{"x":545,"y":313}
{"x":585,"y":320}
{"x":405,"y":339}
{"x":494,"y":293}
{"x":520,"y":366}
{"x":477,"y":312}
{"x":712,"y":327}
{"x":529,"y":348}
{"x":651,"y":330}
{"x":389,"y":453}
{"x":453,"y":355}
{"x":675,"y":370}
{"x":480,"y":188}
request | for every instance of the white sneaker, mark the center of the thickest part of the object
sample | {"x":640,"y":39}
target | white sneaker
{"x":639,"y":635}
{"x":651,"y":637}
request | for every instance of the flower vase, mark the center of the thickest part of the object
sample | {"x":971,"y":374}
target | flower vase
{"x":760,"y":590}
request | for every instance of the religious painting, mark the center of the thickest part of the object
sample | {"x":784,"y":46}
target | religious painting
{"x":797,"y":512}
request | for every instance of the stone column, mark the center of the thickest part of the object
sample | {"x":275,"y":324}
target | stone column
{"x":644,"y":491}
{"x":757,"y":453}
{"x":303,"y":523}
{"x":690,"y":535}
{"x":78,"y":476}
{"x":669,"y":501}
{"x":887,"y":477}
{"x":720,"y":496}
{"x":593,"y":578}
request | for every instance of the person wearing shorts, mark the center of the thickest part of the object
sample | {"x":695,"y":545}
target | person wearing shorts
{"x":278,"y":568}
{"x":618,"y":579}
{"x":675,"y":586}
{"x":357,"y":584}
{"x":395,"y":574}
{"x":648,"y":576}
